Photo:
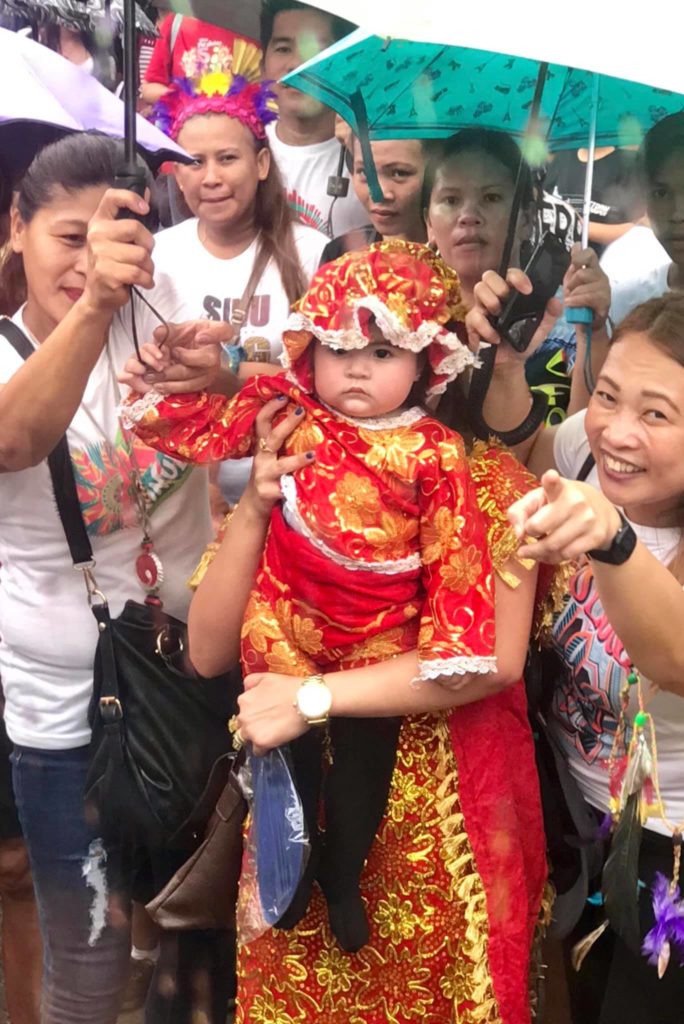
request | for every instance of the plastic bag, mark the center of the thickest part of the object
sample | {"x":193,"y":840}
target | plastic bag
{"x":276,"y":847}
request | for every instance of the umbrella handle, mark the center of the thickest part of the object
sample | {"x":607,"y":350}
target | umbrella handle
{"x":133,"y":180}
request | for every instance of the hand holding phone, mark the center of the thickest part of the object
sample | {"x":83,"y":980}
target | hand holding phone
{"x":522,"y":314}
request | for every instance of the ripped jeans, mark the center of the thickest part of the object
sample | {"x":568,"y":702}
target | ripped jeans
{"x":85,"y":928}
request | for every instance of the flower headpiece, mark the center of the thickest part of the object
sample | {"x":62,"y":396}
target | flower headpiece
{"x":409,"y":291}
{"x":218,"y":82}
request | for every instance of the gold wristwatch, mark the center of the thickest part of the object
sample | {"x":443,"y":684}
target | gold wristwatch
{"x":313,"y":700}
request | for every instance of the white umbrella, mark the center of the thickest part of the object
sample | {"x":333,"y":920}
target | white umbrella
{"x":604,"y":36}
{"x":43,"y":95}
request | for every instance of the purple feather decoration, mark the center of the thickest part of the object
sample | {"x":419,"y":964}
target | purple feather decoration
{"x":605,"y":829}
{"x":668,"y":931}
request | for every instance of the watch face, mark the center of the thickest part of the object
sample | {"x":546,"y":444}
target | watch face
{"x":313,"y":700}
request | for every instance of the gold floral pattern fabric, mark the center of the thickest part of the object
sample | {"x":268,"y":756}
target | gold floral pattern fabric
{"x":379,"y":540}
{"x":427,"y":957}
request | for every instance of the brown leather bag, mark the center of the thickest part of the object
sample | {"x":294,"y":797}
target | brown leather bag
{"x":203,"y":892}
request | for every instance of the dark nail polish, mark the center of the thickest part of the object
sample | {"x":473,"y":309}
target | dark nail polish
{"x":298,"y":411}
{"x":309,"y":455}
{"x":281,"y":398}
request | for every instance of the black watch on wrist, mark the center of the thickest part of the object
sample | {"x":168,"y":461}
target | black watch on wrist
{"x":622,"y":547}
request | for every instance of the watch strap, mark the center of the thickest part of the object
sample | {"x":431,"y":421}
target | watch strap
{"x":621,"y":548}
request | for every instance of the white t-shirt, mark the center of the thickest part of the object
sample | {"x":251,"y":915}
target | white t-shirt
{"x":635,"y":253}
{"x":628,"y":294}
{"x":305,"y":171}
{"x":209,"y":286}
{"x":48,"y":632}
{"x":586,"y":706}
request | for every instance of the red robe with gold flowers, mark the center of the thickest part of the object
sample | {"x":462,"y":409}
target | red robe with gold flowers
{"x":378,"y":547}
{"x":454,"y":881}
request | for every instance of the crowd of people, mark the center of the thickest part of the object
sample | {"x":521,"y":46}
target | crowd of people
{"x":470,"y":653}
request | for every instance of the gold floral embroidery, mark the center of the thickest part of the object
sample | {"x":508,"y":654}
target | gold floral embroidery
{"x":268,"y":1009}
{"x":302,"y":629}
{"x":392,"y":538}
{"x":333,"y":971}
{"x":451,"y":455}
{"x":260,"y":624}
{"x":426,"y":962}
{"x":286,"y":659}
{"x":462,"y":570}
{"x":379,"y":647}
{"x":356,"y":502}
{"x":305,"y":438}
{"x":396,"y":919}
{"x":394,"y":452}
{"x":437,"y":533}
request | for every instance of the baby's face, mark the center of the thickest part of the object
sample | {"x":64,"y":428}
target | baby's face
{"x":371,"y":381}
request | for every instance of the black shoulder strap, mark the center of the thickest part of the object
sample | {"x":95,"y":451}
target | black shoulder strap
{"x":60,"y":466}
{"x":586,"y":467}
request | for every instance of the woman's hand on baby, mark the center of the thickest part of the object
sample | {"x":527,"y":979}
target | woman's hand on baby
{"x":491,"y":295}
{"x":562,"y":520}
{"x":268,"y":717}
{"x":586,"y":284}
{"x":263,"y":489}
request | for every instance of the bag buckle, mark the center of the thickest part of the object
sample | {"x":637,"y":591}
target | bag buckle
{"x":169,"y":644}
{"x":110,"y":710}
{"x":95,"y":595}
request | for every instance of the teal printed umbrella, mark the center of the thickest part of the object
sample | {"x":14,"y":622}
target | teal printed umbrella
{"x":394,"y":88}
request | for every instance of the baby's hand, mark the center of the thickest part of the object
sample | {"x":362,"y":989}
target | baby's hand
{"x":152,"y":358}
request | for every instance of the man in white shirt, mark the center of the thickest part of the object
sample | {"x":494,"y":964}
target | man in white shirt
{"x":303,"y":139}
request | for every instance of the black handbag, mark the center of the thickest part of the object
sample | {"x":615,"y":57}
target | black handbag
{"x":160,"y":748}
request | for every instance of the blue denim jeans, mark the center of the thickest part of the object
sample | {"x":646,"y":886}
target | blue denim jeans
{"x":84,"y":911}
{"x":85,"y":925}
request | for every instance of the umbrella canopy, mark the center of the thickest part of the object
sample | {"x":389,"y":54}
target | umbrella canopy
{"x":80,"y":15}
{"x":594,"y":36}
{"x":241,"y":16}
{"x":392,"y":88}
{"x":43,"y":96}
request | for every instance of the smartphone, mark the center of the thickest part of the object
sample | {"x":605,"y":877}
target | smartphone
{"x":522,"y":314}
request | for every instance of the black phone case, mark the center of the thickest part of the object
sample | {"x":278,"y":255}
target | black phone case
{"x":521,"y":314}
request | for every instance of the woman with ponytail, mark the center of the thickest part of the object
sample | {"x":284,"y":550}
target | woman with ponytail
{"x":240,"y":258}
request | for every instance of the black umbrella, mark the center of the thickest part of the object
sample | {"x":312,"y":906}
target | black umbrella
{"x":241,"y":16}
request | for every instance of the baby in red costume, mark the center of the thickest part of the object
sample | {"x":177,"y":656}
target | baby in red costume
{"x":378,"y":547}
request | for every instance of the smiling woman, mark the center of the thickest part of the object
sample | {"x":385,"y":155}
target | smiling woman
{"x":240,"y":258}
{"x":622,"y":617}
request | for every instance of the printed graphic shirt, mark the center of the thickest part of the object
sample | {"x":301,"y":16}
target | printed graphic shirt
{"x":586,"y":705}
{"x":305,"y":171}
{"x":48,"y":632}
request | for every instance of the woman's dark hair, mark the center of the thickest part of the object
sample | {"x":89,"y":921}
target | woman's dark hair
{"x":275,"y":224}
{"x":426,"y":146}
{"x":662,"y":319}
{"x":498,"y":145}
{"x":340,"y":27}
{"x":78,"y":161}
{"x":659,"y":143}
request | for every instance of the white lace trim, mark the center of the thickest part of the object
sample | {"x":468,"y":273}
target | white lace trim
{"x":135,"y":412}
{"x":297,"y":523}
{"x":461,"y":665}
{"x":353,"y":337}
{"x":405,"y":418}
